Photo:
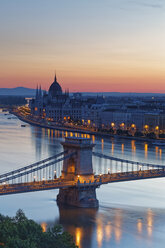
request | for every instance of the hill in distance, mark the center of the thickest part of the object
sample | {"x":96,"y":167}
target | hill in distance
{"x":18,"y":91}
{"x":29,"y":92}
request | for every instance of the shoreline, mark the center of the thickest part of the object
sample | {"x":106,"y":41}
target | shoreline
{"x":79,"y":130}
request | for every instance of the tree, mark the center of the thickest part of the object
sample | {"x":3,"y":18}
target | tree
{"x":20,"y":232}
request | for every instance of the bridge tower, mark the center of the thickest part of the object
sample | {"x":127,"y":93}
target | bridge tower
{"x":78,"y":168}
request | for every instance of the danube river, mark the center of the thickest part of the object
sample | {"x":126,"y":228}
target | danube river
{"x":131,"y":214}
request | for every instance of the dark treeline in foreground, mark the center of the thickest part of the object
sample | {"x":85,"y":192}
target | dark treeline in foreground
{"x":20,"y":232}
{"x":12,"y":101}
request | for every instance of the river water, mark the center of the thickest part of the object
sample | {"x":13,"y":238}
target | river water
{"x":131,"y":214}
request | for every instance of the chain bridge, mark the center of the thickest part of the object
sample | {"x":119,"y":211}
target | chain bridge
{"x":73,"y":173}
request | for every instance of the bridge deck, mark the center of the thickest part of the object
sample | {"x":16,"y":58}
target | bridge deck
{"x":6,"y":189}
{"x":130,"y":176}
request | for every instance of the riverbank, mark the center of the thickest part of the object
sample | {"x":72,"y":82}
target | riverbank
{"x":78,"y":129}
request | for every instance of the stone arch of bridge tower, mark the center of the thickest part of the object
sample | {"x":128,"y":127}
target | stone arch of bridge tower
{"x":71,"y":168}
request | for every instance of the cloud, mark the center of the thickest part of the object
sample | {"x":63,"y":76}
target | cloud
{"x":156,"y":5}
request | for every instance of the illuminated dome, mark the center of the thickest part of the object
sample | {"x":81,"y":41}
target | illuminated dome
{"x":55,"y":89}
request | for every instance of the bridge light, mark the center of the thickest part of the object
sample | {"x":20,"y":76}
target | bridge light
{"x":146,"y":126}
{"x":43,"y":179}
{"x":157,"y":128}
{"x":108,"y":171}
{"x":112,"y":124}
{"x":55,"y":176}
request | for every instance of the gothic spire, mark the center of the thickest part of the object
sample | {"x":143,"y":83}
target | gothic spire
{"x":37,"y":92}
{"x":40,"y":92}
{"x":55,"y":78}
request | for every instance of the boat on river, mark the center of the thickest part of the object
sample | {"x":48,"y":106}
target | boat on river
{"x":23,"y":125}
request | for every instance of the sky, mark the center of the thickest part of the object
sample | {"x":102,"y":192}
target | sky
{"x":93,"y":45}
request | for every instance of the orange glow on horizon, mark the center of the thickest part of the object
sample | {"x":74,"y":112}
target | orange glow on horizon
{"x":90,"y":83}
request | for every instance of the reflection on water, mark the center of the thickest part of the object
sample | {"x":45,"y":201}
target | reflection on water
{"x":122,"y":148}
{"x":99,"y":232}
{"x":44,"y":226}
{"x":160,"y":154}
{"x":118,"y":225}
{"x":149,"y":222}
{"x":102,"y":145}
{"x":156,"y":151}
{"x":105,"y":227}
{"x":108,"y":231}
{"x":133,"y":146}
{"x":146,"y":150}
{"x":83,"y":223}
{"x":80,"y":223}
{"x":139,"y":226}
{"x":112,"y":151}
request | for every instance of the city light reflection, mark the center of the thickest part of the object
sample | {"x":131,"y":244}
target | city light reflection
{"x":48,"y":133}
{"x":102,"y":145}
{"x":139,"y":226}
{"x":108,"y":231}
{"x":93,"y":139}
{"x":78,"y":236}
{"x":118,"y":225}
{"x":52,"y":133}
{"x":99,"y":233}
{"x":156,"y":151}
{"x":122,"y":148}
{"x":112,"y":150}
{"x":44,"y":226}
{"x":149,"y":222}
{"x":146,"y":150}
{"x":160,"y":153}
{"x":133,"y":146}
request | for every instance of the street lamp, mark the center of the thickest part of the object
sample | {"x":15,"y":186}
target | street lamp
{"x":157,"y":131}
{"x":157,"y":128}
{"x":55,"y":176}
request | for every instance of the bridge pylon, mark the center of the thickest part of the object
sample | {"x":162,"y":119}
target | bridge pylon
{"x":78,"y":168}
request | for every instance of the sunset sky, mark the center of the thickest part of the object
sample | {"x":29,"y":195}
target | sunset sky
{"x":94,"y":45}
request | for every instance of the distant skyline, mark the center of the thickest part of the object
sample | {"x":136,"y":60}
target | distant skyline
{"x":107,"y":45}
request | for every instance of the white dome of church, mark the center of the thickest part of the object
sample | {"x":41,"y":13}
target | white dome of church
{"x":55,"y":88}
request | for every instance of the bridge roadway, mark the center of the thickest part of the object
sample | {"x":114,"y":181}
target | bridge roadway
{"x":6,"y":189}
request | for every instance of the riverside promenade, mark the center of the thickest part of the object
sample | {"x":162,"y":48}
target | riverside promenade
{"x":74,"y":128}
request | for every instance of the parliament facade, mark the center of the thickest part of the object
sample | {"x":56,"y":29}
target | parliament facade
{"x":59,"y":106}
